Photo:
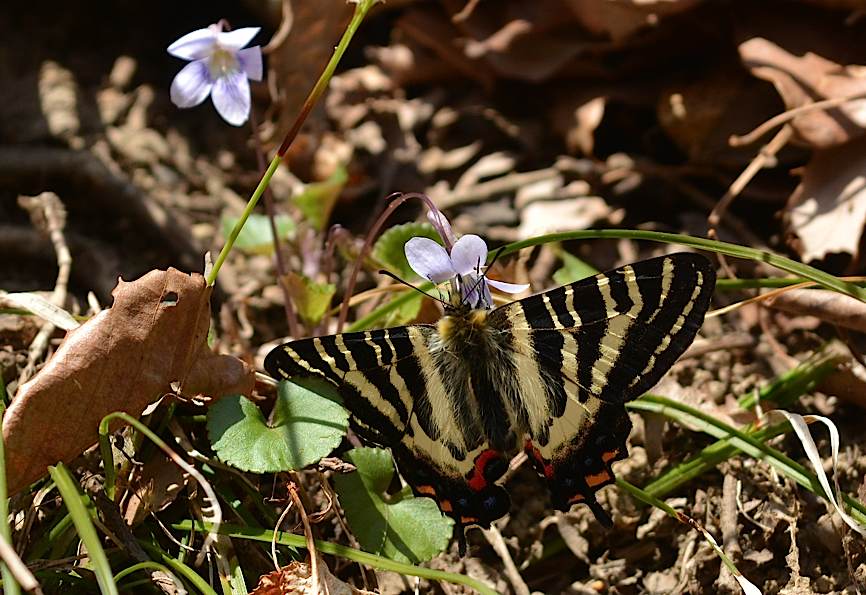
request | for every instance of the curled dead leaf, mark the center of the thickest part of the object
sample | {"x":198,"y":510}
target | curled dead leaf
{"x":829,"y":306}
{"x":827,"y":210}
{"x":619,"y":19}
{"x":120,"y":360}
{"x":296,"y":579}
{"x":153,"y":487}
{"x":801,"y":80}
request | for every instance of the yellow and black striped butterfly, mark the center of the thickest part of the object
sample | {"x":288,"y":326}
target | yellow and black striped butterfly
{"x":548,"y":374}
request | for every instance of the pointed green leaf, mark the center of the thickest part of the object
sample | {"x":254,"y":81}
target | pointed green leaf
{"x":256,"y":236}
{"x":310,"y":298}
{"x":388,"y":249}
{"x":305,"y":427}
{"x":400,"y":527}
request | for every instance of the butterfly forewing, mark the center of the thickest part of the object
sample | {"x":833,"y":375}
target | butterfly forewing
{"x":549,"y":373}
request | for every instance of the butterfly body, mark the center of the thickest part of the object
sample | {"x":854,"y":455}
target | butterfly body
{"x":548,"y":375}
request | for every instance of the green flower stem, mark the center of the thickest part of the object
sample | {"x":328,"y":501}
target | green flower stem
{"x":361,"y":10}
{"x":362,"y":7}
{"x":236,"y":230}
{"x":10,"y":585}
{"x":84,"y":525}
{"x":372,"y":560}
{"x":776,"y":260}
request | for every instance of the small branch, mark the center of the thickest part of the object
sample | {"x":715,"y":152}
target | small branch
{"x":49,"y":216}
{"x":764,"y":157}
{"x":494,"y":537}
{"x":787,"y":116}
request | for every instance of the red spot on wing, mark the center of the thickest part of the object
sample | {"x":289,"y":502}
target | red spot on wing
{"x":477,"y":481}
{"x":536,"y":454}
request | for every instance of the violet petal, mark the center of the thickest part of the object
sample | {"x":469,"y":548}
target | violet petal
{"x":231,"y":97}
{"x":250,"y":60}
{"x":191,"y":85}
{"x":235,"y":40}
{"x":508,"y":287}
{"x":429,"y":259}
{"x":195,"y":45}
{"x":469,"y":254}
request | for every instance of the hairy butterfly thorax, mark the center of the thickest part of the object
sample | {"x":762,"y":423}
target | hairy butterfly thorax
{"x":548,"y":375}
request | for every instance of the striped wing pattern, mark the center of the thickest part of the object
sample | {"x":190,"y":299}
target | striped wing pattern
{"x":594,"y":345}
{"x":549,"y":374}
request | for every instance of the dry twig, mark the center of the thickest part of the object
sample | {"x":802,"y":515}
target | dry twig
{"x":49,"y":216}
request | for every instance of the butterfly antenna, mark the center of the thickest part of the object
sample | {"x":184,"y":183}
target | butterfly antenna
{"x":495,"y":256}
{"x":407,"y":284}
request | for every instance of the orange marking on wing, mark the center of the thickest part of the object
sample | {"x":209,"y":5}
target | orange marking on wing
{"x":610,"y":455}
{"x":576,"y":498}
{"x":426,"y":490}
{"x":468,"y":520}
{"x":597,"y":479}
{"x":445,"y":505}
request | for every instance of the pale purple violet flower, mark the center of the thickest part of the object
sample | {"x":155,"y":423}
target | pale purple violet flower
{"x":220,"y":66}
{"x":463,"y":264}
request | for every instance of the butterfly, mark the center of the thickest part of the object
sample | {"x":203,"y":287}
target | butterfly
{"x":548,"y":374}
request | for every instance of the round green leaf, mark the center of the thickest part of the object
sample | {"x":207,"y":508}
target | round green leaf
{"x":400,"y":527}
{"x":388,"y":249}
{"x":306,"y":425}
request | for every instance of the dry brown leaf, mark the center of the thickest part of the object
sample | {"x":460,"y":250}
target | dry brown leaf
{"x":154,"y":487}
{"x":121,"y":360}
{"x":828,"y":208}
{"x":801,"y":80}
{"x":830,"y":306}
{"x":619,"y":19}
{"x":296,"y":579}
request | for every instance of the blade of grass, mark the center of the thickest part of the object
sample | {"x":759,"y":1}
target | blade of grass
{"x":148,"y":565}
{"x":640,"y":494}
{"x":372,"y":560}
{"x":179,"y":568}
{"x":786,"y":264}
{"x":10,"y":585}
{"x":804,"y":272}
{"x":783,"y":391}
{"x":689,"y":416}
{"x":84,"y":526}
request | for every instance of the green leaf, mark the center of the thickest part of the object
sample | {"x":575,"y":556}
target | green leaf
{"x":256,"y":236}
{"x":388,"y":249}
{"x":311,"y":299}
{"x":306,"y":425}
{"x":573,"y":269}
{"x":399,"y":527}
{"x":405,"y":314}
{"x":317,"y":200}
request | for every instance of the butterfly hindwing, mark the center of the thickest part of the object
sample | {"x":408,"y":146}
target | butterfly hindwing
{"x":400,"y":398}
{"x":596,"y":344}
